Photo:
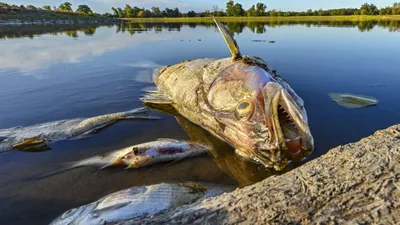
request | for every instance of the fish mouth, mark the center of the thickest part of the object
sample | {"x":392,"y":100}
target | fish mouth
{"x":291,"y":139}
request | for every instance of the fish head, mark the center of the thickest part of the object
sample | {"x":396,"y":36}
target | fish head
{"x":75,"y":215}
{"x":139,"y":156}
{"x":259,"y":114}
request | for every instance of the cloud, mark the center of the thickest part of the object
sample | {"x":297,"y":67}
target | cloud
{"x":28,"y":56}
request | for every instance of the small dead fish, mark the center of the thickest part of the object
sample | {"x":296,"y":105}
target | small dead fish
{"x":140,"y":201}
{"x":353,"y":101}
{"x":36,"y":137}
{"x":141,"y":155}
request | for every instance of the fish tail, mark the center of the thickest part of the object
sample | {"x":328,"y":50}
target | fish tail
{"x":66,"y":167}
{"x":73,"y":165}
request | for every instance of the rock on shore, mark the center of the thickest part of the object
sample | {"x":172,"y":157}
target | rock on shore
{"x":357,"y":183}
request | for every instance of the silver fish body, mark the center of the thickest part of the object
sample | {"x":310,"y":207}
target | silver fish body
{"x":145,"y":154}
{"x":240,"y":100}
{"x":64,"y":129}
{"x":141,"y":155}
{"x":139,"y":201}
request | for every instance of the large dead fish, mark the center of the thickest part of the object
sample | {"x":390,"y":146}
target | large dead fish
{"x":37,"y":137}
{"x":140,"y":201}
{"x":241,"y":101}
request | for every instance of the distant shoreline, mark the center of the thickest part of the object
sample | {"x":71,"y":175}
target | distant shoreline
{"x":52,"y":17}
{"x":265,"y":18}
{"x":71,"y":18}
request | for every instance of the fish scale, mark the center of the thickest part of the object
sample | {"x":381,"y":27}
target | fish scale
{"x":139,"y":201}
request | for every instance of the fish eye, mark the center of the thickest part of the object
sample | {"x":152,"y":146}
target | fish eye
{"x":135,"y":150}
{"x":244,"y":109}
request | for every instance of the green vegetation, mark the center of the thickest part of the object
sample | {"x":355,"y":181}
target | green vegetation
{"x":258,"y":10}
{"x":266,"y":19}
{"x":233,"y":11}
{"x":63,"y":12}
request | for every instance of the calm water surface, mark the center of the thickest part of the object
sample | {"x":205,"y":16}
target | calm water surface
{"x":54,"y":73}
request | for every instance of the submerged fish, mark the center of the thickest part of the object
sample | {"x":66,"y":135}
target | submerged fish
{"x":140,"y":201}
{"x":241,"y":101}
{"x":141,"y":155}
{"x":27,"y":138}
{"x":353,"y":101}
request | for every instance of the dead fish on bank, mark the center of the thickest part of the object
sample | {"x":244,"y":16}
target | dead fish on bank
{"x":263,"y":41}
{"x":241,"y":101}
{"x":140,"y":201}
{"x":141,"y":155}
{"x":353,"y":101}
{"x":37,"y":137}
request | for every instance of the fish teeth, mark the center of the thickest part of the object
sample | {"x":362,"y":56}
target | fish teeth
{"x":294,"y":139}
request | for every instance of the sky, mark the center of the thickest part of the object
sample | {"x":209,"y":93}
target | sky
{"x":102,"y":6}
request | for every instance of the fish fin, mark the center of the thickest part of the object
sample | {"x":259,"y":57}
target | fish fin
{"x":150,"y":89}
{"x":156,"y":97}
{"x":32,"y":145}
{"x":230,"y":41}
{"x":173,"y":162}
{"x":95,"y":130}
{"x":168,"y":139}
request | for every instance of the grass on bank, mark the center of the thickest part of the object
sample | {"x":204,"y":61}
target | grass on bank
{"x":261,"y":19}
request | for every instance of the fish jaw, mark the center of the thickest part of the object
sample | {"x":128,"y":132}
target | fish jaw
{"x":273,"y":129}
{"x":291,"y":136}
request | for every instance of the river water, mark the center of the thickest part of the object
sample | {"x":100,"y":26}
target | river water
{"x":50,"y":73}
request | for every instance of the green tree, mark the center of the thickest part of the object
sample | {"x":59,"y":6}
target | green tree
{"x":396,"y":8}
{"x":156,"y":11}
{"x":385,"y":11}
{"x":369,"y":9}
{"x":252,"y":11}
{"x":238,"y":10}
{"x":230,"y":8}
{"x":141,"y":14}
{"x":273,"y":13}
{"x":261,"y":7}
{"x":121,"y":13}
{"x":191,"y":13}
{"x":31,"y":7}
{"x":84,"y":9}
{"x":3,"y":4}
{"x":177,"y":13}
{"x":66,"y":7}
{"x":46,"y":7}
{"x":115,"y":11}
{"x":128,"y":11}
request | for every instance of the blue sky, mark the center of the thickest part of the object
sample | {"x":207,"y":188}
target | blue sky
{"x":102,"y":6}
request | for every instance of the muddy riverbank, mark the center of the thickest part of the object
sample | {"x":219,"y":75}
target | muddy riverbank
{"x":357,"y":183}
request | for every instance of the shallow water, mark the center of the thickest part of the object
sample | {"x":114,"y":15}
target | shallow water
{"x":52,"y":73}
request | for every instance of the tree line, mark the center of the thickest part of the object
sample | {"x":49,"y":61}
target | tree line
{"x":64,"y":7}
{"x":232,"y":9}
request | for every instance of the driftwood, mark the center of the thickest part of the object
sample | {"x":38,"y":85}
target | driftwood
{"x":357,"y":183}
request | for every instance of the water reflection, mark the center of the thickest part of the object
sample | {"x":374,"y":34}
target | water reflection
{"x":11,"y":31}
{"x":30,"y":31}
{"x":261,"y":27}
{"x":243,"y":172}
